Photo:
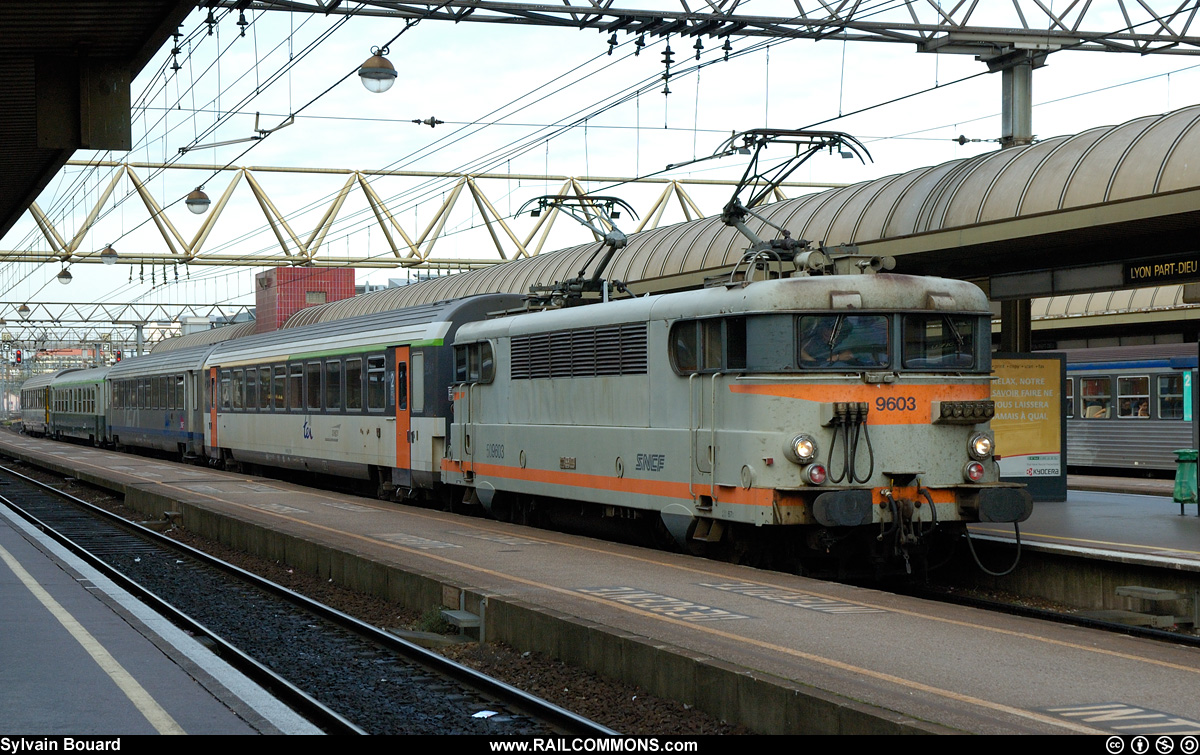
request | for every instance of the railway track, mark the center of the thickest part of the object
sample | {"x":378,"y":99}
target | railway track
{"x":345,"y":675}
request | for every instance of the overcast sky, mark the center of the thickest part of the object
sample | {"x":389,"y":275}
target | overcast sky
{"x":525,"y":82}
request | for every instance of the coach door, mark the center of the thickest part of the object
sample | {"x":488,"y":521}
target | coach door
{"x":212,"y":408}
{"x":403,"y":411}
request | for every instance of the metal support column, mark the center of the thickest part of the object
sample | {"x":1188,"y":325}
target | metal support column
{"x":1017,"y":105}
{"x":1016,"y":95}
{"x":1016,"y":318}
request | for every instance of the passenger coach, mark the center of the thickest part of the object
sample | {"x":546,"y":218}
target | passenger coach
{"x":362,"y":397}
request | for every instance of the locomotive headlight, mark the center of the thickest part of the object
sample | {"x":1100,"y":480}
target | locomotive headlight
{"x":973,"y":471}
{"x":802,"y":449}
{"x":980,"y":446}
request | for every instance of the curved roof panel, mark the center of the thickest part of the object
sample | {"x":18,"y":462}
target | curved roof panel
{"x":204,"y":337}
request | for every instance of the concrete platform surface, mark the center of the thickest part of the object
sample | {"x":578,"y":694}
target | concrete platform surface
{"x":80,"y":656}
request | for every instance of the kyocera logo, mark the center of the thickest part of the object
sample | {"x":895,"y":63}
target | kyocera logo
{"x":651,"y":462}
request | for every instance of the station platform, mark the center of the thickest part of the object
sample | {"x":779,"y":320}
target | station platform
{"x":80,"y":656}
{"x":1128,"y":519}
{"x":777,"y":653}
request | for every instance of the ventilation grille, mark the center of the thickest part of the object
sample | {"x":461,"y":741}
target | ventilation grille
{"x":589,"y":352}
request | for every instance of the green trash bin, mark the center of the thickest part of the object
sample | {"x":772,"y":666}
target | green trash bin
{"x":1185,"y":478}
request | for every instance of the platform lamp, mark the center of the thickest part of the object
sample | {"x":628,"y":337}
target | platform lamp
{"x":377,"y":73}
{"x":109,"y":255}
{"x":197,"y":201}
{"x":23,"y":311}
{"x":64,"y":276}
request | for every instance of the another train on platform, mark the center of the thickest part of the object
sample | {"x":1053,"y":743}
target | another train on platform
{"x":1129,"y":408}
{"x":841,"y":416}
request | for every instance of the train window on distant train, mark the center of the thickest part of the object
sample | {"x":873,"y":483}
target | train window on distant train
{"x":1133,"y":396}
{"x":1170,"y":396}
{"x":376,"y":385}
{"x":1096,"y":394}
{"x":1069,"y":399}
{"x":939,"y":341}
{"x":295,"y":387}
{"x":843,"y":341}
{"x":333,"y":385}
{"x":354,"y":376}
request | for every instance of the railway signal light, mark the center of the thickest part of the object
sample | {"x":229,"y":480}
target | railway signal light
{"x":118,"y":354}
{"x":17,"y":356}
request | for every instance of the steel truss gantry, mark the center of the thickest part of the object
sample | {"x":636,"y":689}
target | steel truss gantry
{"x":117,"y":325}
{"x":408,"y":250}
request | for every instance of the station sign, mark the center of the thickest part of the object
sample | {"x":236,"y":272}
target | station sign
{"x":1030,"y":425}
{"x":1181,"y":268}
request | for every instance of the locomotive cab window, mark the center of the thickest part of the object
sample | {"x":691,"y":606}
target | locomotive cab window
{"x":474,"y":363}
{"x":1170,"y":396}
{"x":939,"y":342}
{"x":1133,"y":396}
{"x":715,"y":345}
{"x":842,"y":341}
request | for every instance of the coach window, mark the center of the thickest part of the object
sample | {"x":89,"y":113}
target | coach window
{"x":1170,"y":396}
{"x":354,"y":375}
{"x":376,"y":385}
{"x":333,"y":385}
{"x":295,"y":400}
{"x":264,"y":388}
{"x":279,"y":387}
{"x":239,"y":389}
{"x":401,"y":386}
{"x":251,"y":389}
{"x":313,"y":373}
{"x":1096,"y":394}
{"x":1069,"y":399}
{"x":1133,"y":396}
{"x":226,"y":378}
{"x":418,"y":382}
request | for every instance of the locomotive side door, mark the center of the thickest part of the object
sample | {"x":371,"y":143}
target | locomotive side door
{"x":701,"y":400}
{"x":403,"y":412}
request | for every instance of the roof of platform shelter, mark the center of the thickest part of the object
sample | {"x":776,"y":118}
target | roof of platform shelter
{"x":1145,"y":157}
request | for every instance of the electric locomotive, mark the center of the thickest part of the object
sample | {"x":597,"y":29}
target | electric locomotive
{"x":841,"y":415}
